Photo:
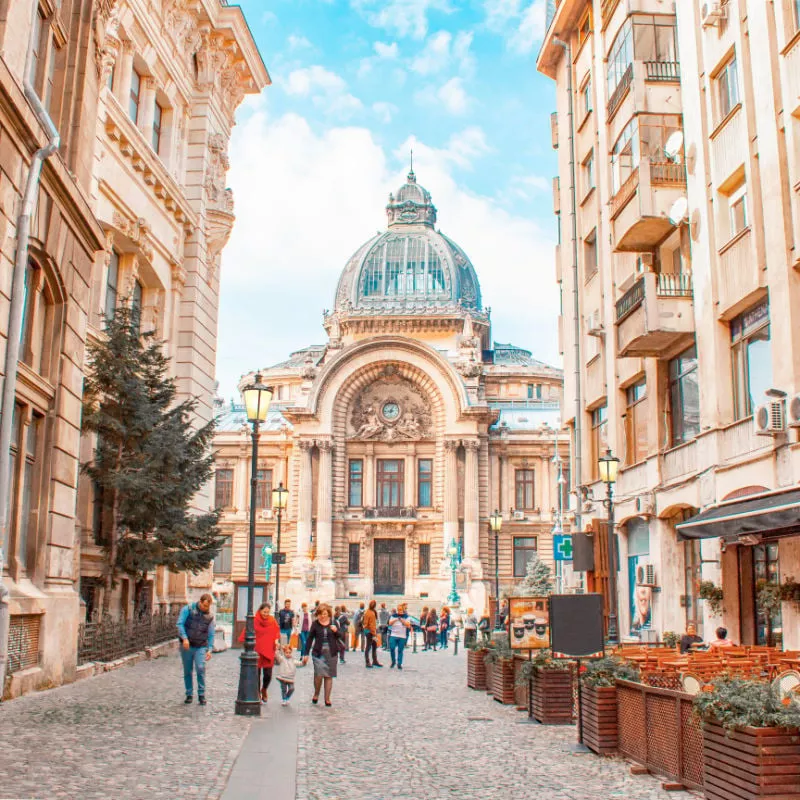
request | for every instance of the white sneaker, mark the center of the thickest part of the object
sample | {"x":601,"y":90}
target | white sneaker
{"x":284,"y":702}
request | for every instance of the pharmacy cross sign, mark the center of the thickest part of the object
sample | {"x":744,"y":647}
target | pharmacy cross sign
{"x":562,"y":547}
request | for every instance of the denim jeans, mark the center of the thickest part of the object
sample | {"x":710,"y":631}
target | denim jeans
{"x":287,"y":689}
{"x":194,"y":658}
{"x":443,"y":637}
{"x":286,"y":636}
{"x":397,"y":644}
{"x":303,"y":639}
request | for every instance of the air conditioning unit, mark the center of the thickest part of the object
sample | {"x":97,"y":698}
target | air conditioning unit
{"x":594,"y":327}
{"x":712,"y":13}
{"x":519,"y":515}
{"x":794,"y":412}
{"x":266,"y":513}
{"x":770,"y":418}
{"x":646,"y":574}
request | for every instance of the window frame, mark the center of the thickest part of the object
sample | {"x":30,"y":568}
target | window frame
{"x":112,"y":286}
{"x":636,"y":448}
{"x":353,"y":558}
{"x":135,"y":96}
{"x":588,"y":173}
{"x":519,"y":549}
{"x":525,"y":489}
{"x":727,"y":90}
{"x":225,"y":555}
{"x":391,"y":481}
{"x":737,"y":206}
{"x":220,"y":493}
{"x":424,"y":480}
{"x":355,"y":481}
{"x":746,"y":329}
{"x":158,"y":123}
{"x":677,"y":376}
{"x":264,"y":488}
{"x":424,"y":555}
{"x":599,"y":429}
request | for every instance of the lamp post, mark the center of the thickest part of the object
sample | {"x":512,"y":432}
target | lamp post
{"x":257,"y":398}
{"x":609,"y":464}
{"x":280,"y":497}
{"x":452,"y":551}
{"x":495,"y":524}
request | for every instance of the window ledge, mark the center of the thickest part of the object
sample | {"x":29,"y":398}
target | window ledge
{"x":789,"y":46}
{"x":725,"y":120}
{"x":586,"y":117}
{"x":733,"y":240}
{"x":587,"y":196}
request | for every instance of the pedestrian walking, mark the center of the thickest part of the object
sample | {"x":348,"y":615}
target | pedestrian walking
{"x":423,"y":621}
{"x":358,"y":628}
{"x":286,"y":622}
{"x":399,"y":627}
{"x":484,"y":626}
{"x":196,"y":632}
{"x":267,"y":637}
{"x":323,"y":645}
{"x":432,"y":629}
{"x":444,"y":627}
{"x":285,"y":672}
{"x":470,"y":628}
{"x":370,"y":625}
{"x":343,"y":621}
{"x":305,"y":626}
{"x":383,"y":626}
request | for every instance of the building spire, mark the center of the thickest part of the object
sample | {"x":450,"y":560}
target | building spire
{"x":412,"y":178}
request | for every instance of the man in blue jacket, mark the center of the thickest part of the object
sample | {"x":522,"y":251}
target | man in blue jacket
{"x":196,"y":632}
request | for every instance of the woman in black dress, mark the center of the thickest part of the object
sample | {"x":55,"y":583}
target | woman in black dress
{"x":324,"y":644}
{"x":432,"y":630}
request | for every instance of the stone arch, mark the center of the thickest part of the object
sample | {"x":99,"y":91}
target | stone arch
{"x":744,"y":491}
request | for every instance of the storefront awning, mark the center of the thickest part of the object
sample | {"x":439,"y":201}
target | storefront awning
{"x":766,"y":513}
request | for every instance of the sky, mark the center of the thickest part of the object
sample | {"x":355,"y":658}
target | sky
{"x":356,"y":85}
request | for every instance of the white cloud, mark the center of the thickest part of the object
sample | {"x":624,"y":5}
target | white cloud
{"x":328,"y":91}
{"x":299,"y":43}
{"x":405,"y":17}
{"x":385,"y":111}
{"x":521,"y":23}
{"x":386,"y":51}
{"x":440,"y":51}
{"x":466,"y":145}
{"x":453,"y":96}
{"x":305,"y":201}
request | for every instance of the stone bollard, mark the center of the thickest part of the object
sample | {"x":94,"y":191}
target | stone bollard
{"x":413,"y":641}
{"x":455,"y":640}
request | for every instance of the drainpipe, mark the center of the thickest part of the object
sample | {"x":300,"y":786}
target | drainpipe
{"x":577,"y":453}
{"x":27,"y":210}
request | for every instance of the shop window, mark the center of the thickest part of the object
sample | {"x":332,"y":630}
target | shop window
{"x":766,"y":569}
{"x":636,"y":423}
{"x":264,"y":488}
{"x":424,"y":482}
{"x":356,"y":487}
{"x":693,"y":574}
{"x":224,"y":559}
{"x":524,"y":483}
{"x":684,"y":397}
{"x":425,"y":559}
{"x":640,"y":597}
{"x":525,"y":548}
{"x":223,"y":488}
{"x":751,"y":355}
{"x":353,"y":558}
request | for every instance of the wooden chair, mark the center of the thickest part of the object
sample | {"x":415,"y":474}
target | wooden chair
{"x":691,"y":683}
{"x":787,"y":682}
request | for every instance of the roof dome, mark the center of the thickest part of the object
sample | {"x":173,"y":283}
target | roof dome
{"x":411,"y":267}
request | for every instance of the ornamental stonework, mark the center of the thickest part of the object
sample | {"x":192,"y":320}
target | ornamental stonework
{"x":391,"y":409}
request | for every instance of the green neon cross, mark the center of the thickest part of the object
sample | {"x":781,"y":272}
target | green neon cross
{"x":565,"y":548}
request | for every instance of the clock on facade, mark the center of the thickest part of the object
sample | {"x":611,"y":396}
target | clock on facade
{"x":390,"y":411}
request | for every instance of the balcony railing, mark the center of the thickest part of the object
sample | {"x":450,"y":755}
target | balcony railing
{"x":390,"y":512}
{"x":619,"y":93}
{"x":631,"y":300}
{"x":624,"y":193}
{"x":667,"y":172}
{"x":679,"y":285}
{"x":668,"y":71}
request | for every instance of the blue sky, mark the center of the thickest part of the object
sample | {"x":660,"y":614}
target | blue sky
{"x":356,"y":85}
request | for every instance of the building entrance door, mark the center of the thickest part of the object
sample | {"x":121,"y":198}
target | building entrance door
{"x":390,"y":566}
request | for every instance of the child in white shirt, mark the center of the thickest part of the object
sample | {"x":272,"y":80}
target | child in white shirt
{"x":284,"y":672}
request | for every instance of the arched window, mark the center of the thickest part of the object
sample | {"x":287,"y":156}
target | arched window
{"x":38,"y":321}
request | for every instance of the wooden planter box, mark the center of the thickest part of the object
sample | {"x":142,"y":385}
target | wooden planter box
{"x":552,"y":696}
{"x":599,"y":718}
{"x":476,"y":670}
{"x":751,"y":763}
{"x":520,"y":689}
{"x":489,"y":678}
{"x":503,"y":681}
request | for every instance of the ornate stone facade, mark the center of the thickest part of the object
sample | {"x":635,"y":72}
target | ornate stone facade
{"x":401,"y":434}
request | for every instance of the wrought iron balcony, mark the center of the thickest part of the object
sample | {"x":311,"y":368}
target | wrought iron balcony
{"x":390,"y":512}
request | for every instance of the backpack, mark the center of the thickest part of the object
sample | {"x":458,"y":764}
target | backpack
{"x":343,"y":622}
{"x":358,"y":617}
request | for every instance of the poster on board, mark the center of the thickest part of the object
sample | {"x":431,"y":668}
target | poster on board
{"x":528,"y":623}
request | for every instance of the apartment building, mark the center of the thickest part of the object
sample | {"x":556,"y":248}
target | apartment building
{"x":678,"y":130}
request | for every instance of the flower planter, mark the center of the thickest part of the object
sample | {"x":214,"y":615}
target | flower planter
{"x":520,"y":689}
{"x":476,"y":669}
{"x":599,"y":718}
{"x":503,"y":681}
{"x":552,"y":696}
{"x":751,"y":763}
{"x":489,"y":677}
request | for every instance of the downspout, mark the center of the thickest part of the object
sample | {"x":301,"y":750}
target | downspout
{"x":27,"y":210}
{"x":577,"y":457}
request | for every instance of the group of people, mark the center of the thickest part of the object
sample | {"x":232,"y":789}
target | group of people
{"x":690,"y":641}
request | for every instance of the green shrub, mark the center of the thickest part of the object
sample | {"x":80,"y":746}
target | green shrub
{"x":606,"y":671}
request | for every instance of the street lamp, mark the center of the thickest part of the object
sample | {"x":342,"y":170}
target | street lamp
{"x":608,"y":465}
{"x":452,"y":551}
{"x":495,"y":523}
{"x":280,"y":497}
{"x":257,"y":398}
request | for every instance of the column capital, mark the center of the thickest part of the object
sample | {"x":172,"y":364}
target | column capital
{"x":471,"y":445}
{"x":451,"y":445}
{"x":325,"y":445}
{"x":306,"y":445}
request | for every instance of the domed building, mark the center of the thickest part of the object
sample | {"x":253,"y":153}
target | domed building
{"x":399,"y":436}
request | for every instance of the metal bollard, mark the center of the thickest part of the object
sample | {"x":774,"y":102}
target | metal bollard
{"x":455,"y":649}
{"x":414,"y":641}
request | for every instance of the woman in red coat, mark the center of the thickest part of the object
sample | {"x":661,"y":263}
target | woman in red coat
{"x":267,"y":635}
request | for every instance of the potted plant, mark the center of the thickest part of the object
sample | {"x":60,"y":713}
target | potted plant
{"x":769,"y":596}
{"x":751,"y":743}
{"x":550,"y":682}
{"x":599,"y":701}
{"x":712,"y":594}
{"x":670,"y":638}
{"x":476,"y":666}
{"x":499,"y":661}
{"x":790,"y":590}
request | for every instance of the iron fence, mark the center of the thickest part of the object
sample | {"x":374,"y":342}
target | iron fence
{"x":110,"y":639}
{"x":631,"y":300}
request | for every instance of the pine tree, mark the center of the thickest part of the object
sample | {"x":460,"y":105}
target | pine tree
{"x":150,"y":459}
{"x":538,"y":580}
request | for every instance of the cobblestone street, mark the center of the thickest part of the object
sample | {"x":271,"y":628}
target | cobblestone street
{"x":419,"y":734}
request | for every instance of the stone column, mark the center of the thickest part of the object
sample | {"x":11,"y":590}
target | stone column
{"x":471,"y":498}
{"x":325,"y":500}
{"x":505,"y":491}
{"x":123,"y":92}
{"x":305,"y":497}
{"x":368,"y":500}
{"x":547,"y":500}
{"x":450,"y":527}
{"x":410,"y":478}
{"x":147,"y":103}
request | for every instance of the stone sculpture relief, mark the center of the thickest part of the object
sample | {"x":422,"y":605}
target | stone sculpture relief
{"x":391,"y":409}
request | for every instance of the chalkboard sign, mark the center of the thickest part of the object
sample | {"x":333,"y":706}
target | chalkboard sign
{"x":576,"y":625}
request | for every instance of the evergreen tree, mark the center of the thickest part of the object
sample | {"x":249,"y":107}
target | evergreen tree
{"x":150,"y":459}
{"x":538,"y":580}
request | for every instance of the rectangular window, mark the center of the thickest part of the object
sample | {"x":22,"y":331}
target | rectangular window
{"x":264,"y":488}
{"x":684,"y":397}
{"x":38,"y":50}
{"x":728,"y":88}
{"x":47,"y":99}
{"x":424,"y":482}
{"x":590,"y":254}
{"x":524,"y":485}
{"x":585,"y":26}
{"x":356,"y":488}
{"x":223,"y":488}
{"x":133,"y":99}
{"x":353,"y":558}
{"x":636,"y":423}
{"x":524,"y":551}
{"x":425,"y":559}
{"x":796,"y":13}
{"x":136,"y":306}
{"x":111,"y":285}
{"x":158,"y":116}
{"x":738,"y":210}
{"x":390,"y":483}
{"x":586,"y":97}
{"x":530,"y":391}
{"x":599,"y":437}
{"x":751,"y":354}
{"x":565,"y":488}
{"x":224,"y":559}
{"x":261,"y":564}
{"x":28,"y":491}
{"x":16,"y":421}
{"x":111,"y":73}
{"x":588,"y":173}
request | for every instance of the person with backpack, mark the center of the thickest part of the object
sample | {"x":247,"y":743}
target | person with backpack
{"x":286,"y":622}
{"x":444,"y":627}
{"x":343,"y":621}
{"x":399,"y":627}
{"x":196,"y":632}
{"x":358,"y":628}
{"x":370,"y":624}
{"x":470,"y":628}
{"x":432,"y":629}
{"x":485,"y":626}
{"x":383,"y":626}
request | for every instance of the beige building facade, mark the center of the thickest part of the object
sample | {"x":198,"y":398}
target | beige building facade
{"x":677,"y":137}
{"x":398,"y":437}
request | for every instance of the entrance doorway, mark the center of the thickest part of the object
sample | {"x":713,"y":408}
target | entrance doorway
{"x":390,"y":566}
